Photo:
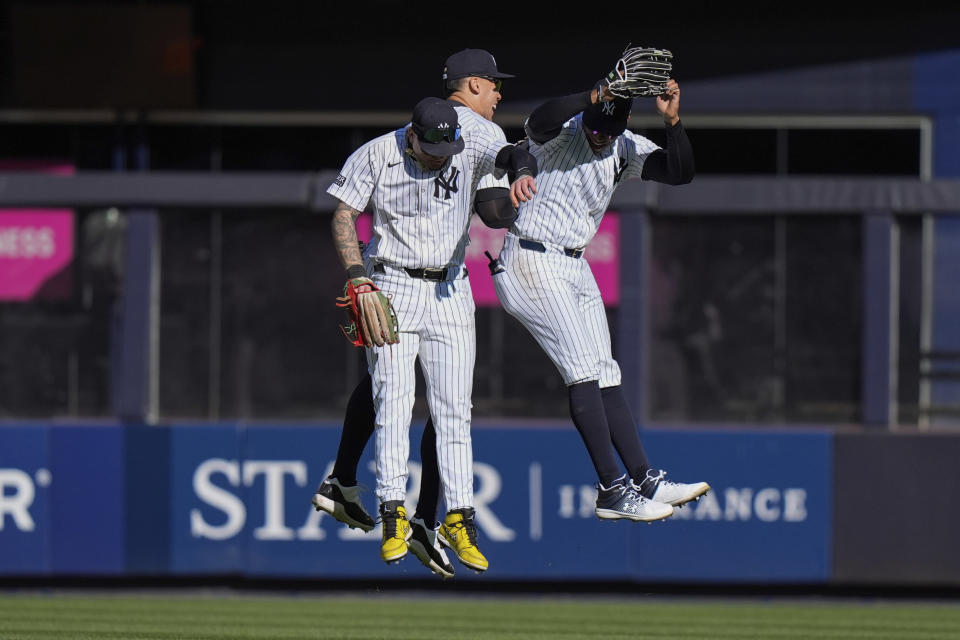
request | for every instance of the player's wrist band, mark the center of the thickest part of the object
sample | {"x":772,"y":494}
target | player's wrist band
{"x":356,"y":271}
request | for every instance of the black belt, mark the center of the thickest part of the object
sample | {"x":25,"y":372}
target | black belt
{"x":435,"y":275}
{"x":533,"y":245}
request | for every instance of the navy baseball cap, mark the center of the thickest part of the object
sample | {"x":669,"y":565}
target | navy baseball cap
{"x":471,"y":62}
{"x":608,"y":117}
{"x":437,"y":127}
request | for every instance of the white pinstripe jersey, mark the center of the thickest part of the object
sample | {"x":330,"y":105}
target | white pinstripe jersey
{"x":574,"y":185}
{"x":473,"y":124}
{"x":421,"y":218}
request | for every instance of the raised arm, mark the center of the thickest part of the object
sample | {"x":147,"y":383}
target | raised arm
{"x":546,"y":121}
{"x":674,"y":164}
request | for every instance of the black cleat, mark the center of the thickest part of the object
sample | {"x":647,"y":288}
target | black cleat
{"x":425,"y":545}
{"x":343,"y":503}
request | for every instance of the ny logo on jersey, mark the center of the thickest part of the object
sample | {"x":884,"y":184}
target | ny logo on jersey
{"x":449,"y":184}
{"x":618,"y":173}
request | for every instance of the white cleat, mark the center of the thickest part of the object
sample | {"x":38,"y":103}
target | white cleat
{"x":659,"y":489}
{"x":620,"y":501}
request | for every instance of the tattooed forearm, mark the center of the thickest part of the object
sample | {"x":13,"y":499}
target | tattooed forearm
{"x":345,"y":235}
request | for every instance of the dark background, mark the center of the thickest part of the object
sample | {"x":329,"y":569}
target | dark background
{"x":743,"y":331}
{"x":385,"y":55}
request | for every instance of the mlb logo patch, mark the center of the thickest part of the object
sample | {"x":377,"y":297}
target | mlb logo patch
{"x":341,"y":180}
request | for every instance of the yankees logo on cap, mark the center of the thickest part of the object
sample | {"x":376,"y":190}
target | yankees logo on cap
{"x":436,"y":124}
{"x":608,"y":117}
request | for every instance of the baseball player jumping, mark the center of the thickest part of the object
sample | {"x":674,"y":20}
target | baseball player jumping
{"x":473,"y":84}
{"x":584,"y":151}
{"x":419,"y":182}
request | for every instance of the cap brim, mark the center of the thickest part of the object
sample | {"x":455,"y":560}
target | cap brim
{"x":442,"y":148}
{"x":612,"y":129}
{"x":497,"y":75}
{"x":608,"y":126}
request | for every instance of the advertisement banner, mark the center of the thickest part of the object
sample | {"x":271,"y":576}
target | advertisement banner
{"x":767,"y":518}
{"x":208,"y":512}
{"x":36,"y":245}
{"x":25,"y":479}
{"x":235,"y":500}
{"x":61,"y":500}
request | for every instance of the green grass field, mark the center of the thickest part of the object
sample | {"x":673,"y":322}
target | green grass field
{"x":213,"y":616}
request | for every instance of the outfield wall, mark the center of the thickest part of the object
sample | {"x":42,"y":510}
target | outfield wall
{"x":210,"y":500}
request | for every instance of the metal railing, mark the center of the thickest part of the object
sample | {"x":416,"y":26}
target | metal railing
{"x":879,"y":200}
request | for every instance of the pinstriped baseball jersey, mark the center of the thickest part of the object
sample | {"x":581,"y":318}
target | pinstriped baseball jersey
{"x":575,"y":185}
{"x":554,"y":295}
{"x":420,"y":217}
{"x":473,"y":124}
{"x":421,"y":220}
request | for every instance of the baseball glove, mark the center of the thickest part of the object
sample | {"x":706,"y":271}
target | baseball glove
{"x":640,"y":72}
{"x":372,"y":318}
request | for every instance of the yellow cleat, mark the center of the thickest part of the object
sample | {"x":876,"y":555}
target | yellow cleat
{"x":396,"y":532}
{"x":459,"y":534}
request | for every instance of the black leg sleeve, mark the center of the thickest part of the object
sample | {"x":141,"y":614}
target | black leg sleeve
{"x":623,"y":430}
{"x":586,"y":409}
{"x":356,"y":432}
{"x":429,"y":498}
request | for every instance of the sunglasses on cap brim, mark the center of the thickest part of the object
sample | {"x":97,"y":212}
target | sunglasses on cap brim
{"x":436,"y":135}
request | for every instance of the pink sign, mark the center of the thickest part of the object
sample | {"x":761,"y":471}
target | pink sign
{"x":36,"y":245}
{"x":603,"y":254}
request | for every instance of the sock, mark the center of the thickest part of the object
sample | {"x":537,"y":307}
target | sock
{"x":357,"y":429}
{"x":623,"y":432}
{"x":429,"y":498}
{"x":586,"y":409}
